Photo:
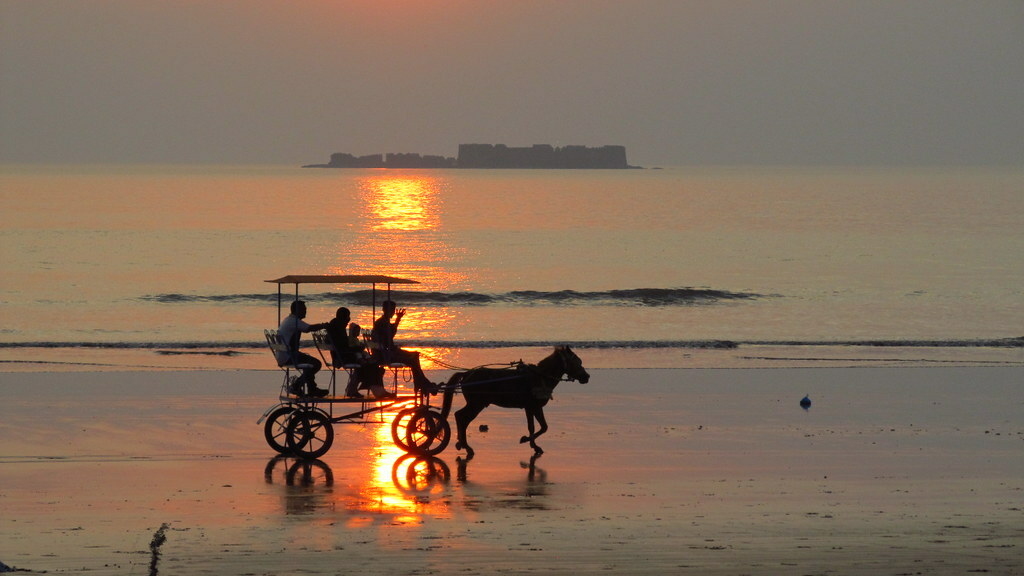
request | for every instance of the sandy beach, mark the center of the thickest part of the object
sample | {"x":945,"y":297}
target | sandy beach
{"x":891,"y":471}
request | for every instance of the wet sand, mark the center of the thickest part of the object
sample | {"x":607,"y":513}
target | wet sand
{"x":891,"y":471}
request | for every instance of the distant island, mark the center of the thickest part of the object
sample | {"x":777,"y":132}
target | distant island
{"x":493,"y":156}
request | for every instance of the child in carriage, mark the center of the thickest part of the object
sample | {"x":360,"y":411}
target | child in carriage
{"x":347,"y":350}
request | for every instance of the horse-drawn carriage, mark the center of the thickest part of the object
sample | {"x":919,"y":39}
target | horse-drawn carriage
{"x":304,"y":425}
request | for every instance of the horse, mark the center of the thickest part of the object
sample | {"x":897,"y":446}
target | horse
{"x":526,"y":386}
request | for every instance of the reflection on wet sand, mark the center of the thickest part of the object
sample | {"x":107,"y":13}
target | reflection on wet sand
{"x":405,"y":493}
{"x":307,"y":483}
{"x":400,"y":489}
{"x":399,"y":485}
{"x":531,"y":496}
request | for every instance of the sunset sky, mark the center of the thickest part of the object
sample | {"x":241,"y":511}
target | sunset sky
{"x":677,"y":82}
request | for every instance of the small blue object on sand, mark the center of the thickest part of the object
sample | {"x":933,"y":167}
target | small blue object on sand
{"x":805,"y":403}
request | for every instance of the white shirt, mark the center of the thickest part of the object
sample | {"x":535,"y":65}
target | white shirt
{"x":290,"y":331}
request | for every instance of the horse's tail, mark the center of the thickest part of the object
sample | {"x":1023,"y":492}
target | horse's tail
{"x":449,"y":392}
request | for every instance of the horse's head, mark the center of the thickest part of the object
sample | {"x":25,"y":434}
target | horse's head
{"x":572,"y":365}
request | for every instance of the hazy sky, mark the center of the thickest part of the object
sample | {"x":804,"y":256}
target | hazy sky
{"x":675,"y":81}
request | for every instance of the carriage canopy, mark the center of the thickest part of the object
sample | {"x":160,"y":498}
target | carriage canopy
{"x":373,"y":279}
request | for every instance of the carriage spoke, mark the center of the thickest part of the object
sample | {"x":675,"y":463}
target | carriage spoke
{"x":310,"y":434}
{"x":428,"y":433}
{"x":275,"y":430}
{"x":400,"y":427}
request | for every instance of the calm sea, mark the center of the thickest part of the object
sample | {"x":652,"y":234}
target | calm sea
{"x":165,"y":267}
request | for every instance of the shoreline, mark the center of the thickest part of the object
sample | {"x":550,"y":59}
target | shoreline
{"x":29,"y":359}
{"x":646,"y":471}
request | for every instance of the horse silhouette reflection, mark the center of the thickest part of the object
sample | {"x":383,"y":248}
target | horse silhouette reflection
{"x":529,"y":496}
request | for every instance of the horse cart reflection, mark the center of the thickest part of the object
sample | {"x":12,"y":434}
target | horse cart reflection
{"x":304,"y":425}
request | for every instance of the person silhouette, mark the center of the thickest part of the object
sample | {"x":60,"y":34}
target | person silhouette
{"x":290,"y":332}
{"x":347,"y":349}
{"x":387,"y":352}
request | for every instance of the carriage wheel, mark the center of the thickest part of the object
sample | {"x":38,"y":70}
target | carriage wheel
{"x":400,"y":425}
{"x":428,"y":433}
{"x":275,"y":429}
{"x":310,"y":433}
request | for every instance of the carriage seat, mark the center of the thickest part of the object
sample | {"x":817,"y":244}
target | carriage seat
{"x":323,"y":344}
{"x":280,"y":350}
{"x":373,"y":347}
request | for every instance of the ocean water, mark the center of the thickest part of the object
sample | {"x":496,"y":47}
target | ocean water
{"x":151,"y":267}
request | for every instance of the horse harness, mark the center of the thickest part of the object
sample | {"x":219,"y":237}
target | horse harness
{"x":541,"y":388}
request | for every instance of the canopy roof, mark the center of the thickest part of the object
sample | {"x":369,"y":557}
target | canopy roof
{"x":374,"y":279}
{"x":340,"y":279}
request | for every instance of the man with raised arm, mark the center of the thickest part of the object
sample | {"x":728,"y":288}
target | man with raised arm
{"x":386,"y":352}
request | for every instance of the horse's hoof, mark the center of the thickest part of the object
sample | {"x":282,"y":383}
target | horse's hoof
{"x":464,"y":446}
{"x":524,"y":439}
{"x":537,"y":451}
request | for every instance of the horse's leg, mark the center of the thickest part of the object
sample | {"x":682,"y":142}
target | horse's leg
{"x":529,"y":425}
{"x":538,"y":413}
{"x":463,"y":417}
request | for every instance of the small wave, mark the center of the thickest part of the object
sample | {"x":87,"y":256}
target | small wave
{"x":627,"y":297}
{"x":199,"y":352}
{"x":976,"y":343}
{"x":166,"y":348}
{"x":174,"y":298}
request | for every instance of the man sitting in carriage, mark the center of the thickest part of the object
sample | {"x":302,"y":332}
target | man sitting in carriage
{"x":290,"y":332}
{"x":387,"y":352}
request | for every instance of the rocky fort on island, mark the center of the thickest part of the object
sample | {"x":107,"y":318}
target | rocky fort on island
{"x":492,"y":156}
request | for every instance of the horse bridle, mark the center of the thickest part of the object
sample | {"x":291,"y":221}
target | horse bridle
{"x":563,"y":351}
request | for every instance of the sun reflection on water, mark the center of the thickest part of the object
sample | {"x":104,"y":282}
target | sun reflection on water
{"x":402,"y":203}
{"x":400,"y":232}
